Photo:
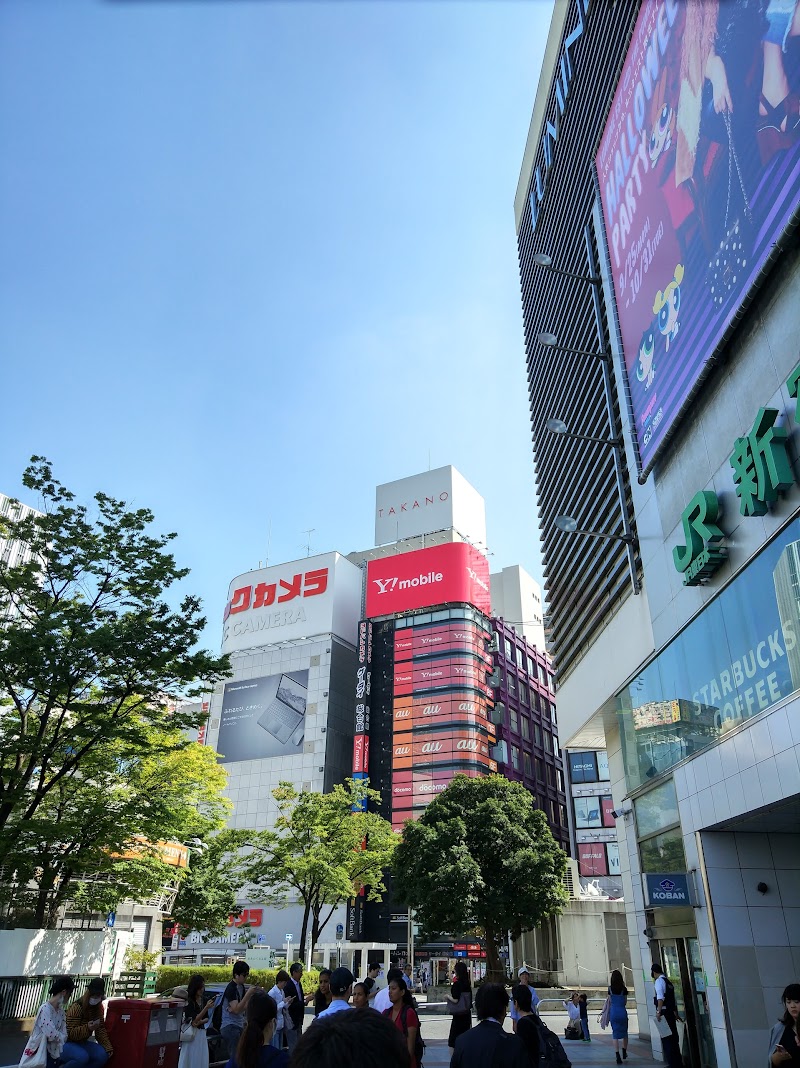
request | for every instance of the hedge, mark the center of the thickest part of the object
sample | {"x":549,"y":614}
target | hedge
{"x":169,"y":976}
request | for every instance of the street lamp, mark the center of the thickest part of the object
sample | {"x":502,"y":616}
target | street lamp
{"x":550,"y":341}
{"x":541,"y":259}
{"x":558,"y":426}
{"x":570,"y":526}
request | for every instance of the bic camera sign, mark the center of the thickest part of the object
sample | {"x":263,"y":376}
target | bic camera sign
{"x":761,"y":470}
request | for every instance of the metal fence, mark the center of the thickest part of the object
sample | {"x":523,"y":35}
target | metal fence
{"x":21,"y":996}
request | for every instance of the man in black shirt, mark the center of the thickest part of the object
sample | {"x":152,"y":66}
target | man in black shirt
{"x":370,"y":983}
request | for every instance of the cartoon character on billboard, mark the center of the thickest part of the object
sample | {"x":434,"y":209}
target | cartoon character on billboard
{"x":645,"y":367}
{"x":661,"y":137}
{"x":667,"y":305}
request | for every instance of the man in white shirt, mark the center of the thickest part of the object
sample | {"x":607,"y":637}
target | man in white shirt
{"x":382,"y":1002}
{"x":524,"y":980}
{"x":342,"y":981}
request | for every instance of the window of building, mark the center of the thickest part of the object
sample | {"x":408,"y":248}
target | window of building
{"x":659,"y":831}
{"x":528,"y":768}
{"x":536,"y":701}
{"x":515,"y":757}
{"x":547,"y":739}
{"x":663,"y":852}
{"x":523,"y":692}
{"x":537,"y":734}
{"x":512,"y":683}
{"x":526,"y":728}
{"x":551,"y":775}
{"x":513,"y":720}
{"x":656,"y":810}
{"x":562,"y":815}
{"x":523,"y":660}
{"x":560,"y":780}
{"x":540,"y":769}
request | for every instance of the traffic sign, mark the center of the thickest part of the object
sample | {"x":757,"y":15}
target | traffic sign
{"x":290,"y":937}
{"x":339,"y":932}
{"x":111,"y":919}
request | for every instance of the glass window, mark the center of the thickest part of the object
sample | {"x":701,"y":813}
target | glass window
{"x":656,"y":809}
{"x":513,"y":720}
{"x":523,"y":692}
{"x":515,"y":757}
{"x":526,"y":728}
{"x":537,"y":734}
{"x":551,"y":775}
{"x":664,"y":852}
{"x":560,"y":780}
{"x":512,"y":683}
{"x":540,"y":769}
{"x":562,"y":816}
{"x":523,"y":660}
{"x":547,"y":739}
{"x":528,"y":768}
{"x":587,"y":812}
{"x":545,"y":708}
{"x":737,"y":658}
{"x":536,"y":700}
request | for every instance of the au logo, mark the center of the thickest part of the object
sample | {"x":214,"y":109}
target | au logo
{"x":702,"y":554}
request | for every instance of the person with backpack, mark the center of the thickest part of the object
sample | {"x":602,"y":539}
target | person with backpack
{"x":487,"y":1045}
{"x":402,"y":1014}
{"x":526,"y":1029}
{"x":667,"y":1009}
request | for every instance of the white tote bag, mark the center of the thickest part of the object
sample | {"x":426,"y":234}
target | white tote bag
{"x":34,"y":1056}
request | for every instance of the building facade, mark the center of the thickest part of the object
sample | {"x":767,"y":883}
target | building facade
{"x":674,"y":630}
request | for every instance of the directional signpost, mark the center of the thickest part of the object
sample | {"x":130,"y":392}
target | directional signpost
{"x":289,"y":938}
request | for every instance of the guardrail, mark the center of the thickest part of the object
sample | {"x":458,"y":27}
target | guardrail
{"x":22,"y":995}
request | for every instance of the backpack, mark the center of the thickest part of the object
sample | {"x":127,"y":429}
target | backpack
{"x":216,"y":1016}
{"x":419,"y":1045}
{"x":551,"y":1052}
{"x":670,"y":1004}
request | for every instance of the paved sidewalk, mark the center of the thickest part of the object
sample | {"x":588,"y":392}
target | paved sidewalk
{"x":600,"y":1051}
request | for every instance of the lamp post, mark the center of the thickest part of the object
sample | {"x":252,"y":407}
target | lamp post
{"x":551,"y":341}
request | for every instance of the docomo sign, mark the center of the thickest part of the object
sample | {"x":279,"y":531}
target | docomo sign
{"x":438,"y":575}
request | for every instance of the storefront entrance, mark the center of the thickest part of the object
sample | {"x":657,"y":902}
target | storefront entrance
{"x":682,"y":964}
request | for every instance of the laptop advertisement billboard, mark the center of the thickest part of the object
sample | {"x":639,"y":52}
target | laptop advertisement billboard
{"x":263,"y":717}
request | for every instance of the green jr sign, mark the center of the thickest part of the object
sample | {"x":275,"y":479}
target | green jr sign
{"x":761,"y":470}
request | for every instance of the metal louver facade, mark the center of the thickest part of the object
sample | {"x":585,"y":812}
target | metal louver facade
{"x":586,"y":578}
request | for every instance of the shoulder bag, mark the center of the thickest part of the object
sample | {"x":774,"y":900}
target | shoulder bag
{"x":464,"y":1004}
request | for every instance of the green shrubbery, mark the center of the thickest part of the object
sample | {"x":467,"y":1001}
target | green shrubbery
{"x":170,"y":976}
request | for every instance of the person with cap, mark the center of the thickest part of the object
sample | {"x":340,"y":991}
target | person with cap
{"x":87,"y":1039}
{"x":342,"y":980}
{"x":524,"y":980}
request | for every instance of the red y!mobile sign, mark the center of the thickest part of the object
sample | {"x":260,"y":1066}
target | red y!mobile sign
{"x":439,"y":575}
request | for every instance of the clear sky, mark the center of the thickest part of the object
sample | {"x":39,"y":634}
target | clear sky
{"x":258,"y":257}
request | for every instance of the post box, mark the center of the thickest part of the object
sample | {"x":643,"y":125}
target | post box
{"x":145,"y":1032}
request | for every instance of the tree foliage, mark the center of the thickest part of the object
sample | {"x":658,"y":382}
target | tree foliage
{"x":93,"y":841}
{"x":93,"y":662}
{"x":324,"y":849}
{"x":207,"y":897}
{"x":481,"y":856}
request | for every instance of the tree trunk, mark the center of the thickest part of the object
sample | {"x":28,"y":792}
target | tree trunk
{"x":495,"y":968}
{"x":304,"y":928}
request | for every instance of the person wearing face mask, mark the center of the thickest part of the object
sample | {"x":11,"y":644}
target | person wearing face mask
{"x":88,"y":1044}
{"x":50,"y":1025}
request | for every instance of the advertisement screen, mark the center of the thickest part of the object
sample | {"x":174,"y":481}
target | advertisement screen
{"x":699,"y":175}
{"x":263,"y":717}
{"x":592,"y":858}
{"x":417,"y":641}
{"x":587,"y":812}
{"x":612,"y":852}
{"x":420,"y":712}
{"x":439,"y":575}
{"x":582,"y":767}
{"x":607,"y":808}
{"x":425,"y":675}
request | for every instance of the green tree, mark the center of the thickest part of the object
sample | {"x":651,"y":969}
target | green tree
{"x":207,"y":897}
{"x":93,"y":841}
{"x":323,"y":850}
{"x":481,"y":856}
{"x":91,"y":653}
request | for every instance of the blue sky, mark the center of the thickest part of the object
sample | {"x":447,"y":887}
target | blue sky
{"x":258,"y":257}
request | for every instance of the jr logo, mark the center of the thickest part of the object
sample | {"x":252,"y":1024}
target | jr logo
{"x":702,"y":554}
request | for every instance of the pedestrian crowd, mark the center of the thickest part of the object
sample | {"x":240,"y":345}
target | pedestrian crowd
{"x":368,"y":1024}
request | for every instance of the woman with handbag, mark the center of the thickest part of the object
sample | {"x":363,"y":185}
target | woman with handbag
{"x":459,"y":1003}
{"x":46,"y":1041}
{"x":618,"y":1014}
{"x":194,"y":1044}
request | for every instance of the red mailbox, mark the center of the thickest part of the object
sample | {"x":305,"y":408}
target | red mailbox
{"x":145,"y":1033}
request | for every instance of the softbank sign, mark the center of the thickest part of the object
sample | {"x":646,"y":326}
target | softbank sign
{"x":440,"y":575}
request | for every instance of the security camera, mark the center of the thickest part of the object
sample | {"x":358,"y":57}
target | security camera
{"x":623,"y":810}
